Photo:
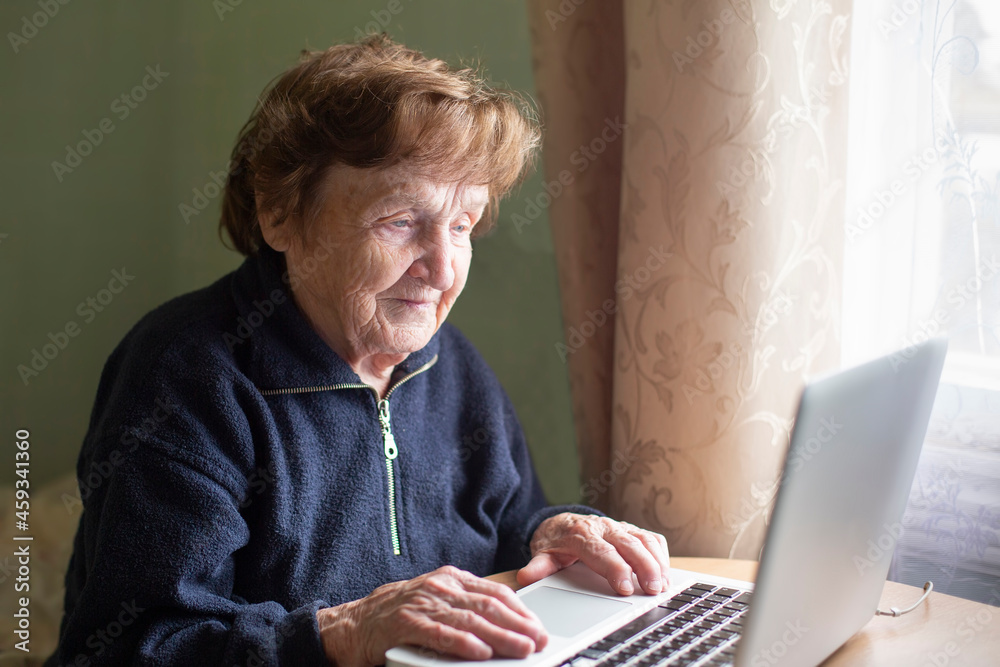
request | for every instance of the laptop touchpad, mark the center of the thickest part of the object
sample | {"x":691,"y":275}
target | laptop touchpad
{"x":566,"y":613}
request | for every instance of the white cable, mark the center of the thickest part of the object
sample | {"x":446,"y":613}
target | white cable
{"x":896,"y":611}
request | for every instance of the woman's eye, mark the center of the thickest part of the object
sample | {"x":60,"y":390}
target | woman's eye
{"x":401,"y":224}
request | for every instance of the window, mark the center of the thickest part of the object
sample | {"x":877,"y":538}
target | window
{"x":922,"y":258}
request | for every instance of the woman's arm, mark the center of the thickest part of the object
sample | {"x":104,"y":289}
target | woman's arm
{"x":155,"y":560}
{"x":555,"y":537}
{"x":527,"y":507}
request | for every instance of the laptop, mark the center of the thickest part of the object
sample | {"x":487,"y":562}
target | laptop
{"x":847,"y":476}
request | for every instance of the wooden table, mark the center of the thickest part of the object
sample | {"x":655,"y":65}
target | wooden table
{"x":943,"y":632}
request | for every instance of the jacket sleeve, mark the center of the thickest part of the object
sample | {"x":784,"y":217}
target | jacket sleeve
{"x":527,"y":506}
{"x":154,"y":561}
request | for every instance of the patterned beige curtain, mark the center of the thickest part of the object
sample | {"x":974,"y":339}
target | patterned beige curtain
{"x":708,"y":231}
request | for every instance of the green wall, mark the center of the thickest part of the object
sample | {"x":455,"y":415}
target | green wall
{"x":118,"y":208}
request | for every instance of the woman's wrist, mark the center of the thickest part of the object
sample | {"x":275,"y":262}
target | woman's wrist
{"x":339,"y":630}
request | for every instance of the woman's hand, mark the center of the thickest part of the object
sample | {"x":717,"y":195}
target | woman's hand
{"x":447,"y":610}
{"x":613,"y":549}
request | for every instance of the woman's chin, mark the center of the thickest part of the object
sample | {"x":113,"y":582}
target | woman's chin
{"x":407,"y":337}
{"x":405,"y":327}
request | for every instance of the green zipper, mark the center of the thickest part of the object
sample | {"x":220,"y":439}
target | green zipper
{"x":389,"y":448}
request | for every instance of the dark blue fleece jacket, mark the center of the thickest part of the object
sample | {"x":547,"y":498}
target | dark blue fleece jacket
{"x":234,"y":482}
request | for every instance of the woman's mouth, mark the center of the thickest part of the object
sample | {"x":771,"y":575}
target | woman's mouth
{"x":416,"y":303}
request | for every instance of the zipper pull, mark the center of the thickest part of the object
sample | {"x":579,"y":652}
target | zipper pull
{"x":390,"y":442}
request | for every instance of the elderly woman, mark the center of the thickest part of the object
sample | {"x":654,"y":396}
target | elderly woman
{"x":307,"y":493}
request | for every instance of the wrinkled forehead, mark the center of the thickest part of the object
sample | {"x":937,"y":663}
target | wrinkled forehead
{"x":401,"y":187}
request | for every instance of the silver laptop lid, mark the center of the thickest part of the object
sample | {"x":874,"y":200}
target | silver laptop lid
{"x":847,"y":476}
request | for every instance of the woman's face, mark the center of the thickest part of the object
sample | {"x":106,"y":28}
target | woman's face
{"x":380,"y":267}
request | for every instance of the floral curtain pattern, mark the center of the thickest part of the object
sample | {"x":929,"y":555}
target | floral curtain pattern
{"x":732,"y":173}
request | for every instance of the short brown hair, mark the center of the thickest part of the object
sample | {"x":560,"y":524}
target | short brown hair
{"x":372,"y":104}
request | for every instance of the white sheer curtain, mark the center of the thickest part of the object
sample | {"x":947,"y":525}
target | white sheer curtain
{"x":922,"y":245}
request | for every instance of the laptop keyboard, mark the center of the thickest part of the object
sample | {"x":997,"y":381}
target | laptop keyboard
{"x":699,"y":626}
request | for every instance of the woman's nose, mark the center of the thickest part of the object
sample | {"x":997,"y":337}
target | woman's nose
{"x":435,"y":263}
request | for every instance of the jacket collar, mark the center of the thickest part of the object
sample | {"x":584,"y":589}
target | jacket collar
{"x":276,"y":343}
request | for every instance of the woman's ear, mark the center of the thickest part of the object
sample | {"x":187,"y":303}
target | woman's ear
{"x":276,"y":232}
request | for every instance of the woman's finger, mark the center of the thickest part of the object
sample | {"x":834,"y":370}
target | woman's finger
{"x":657,"y":546}
{"x":498,"y":614}
{"x":498,"y":606}
{"x":603,"y":558}
{"x":443,"y":639}
{"x":635,"y":552}
{"x":542,"y":565}
{"x":611,"y":548}
{"x":472,"y":583}
{"x":502,"y":642}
